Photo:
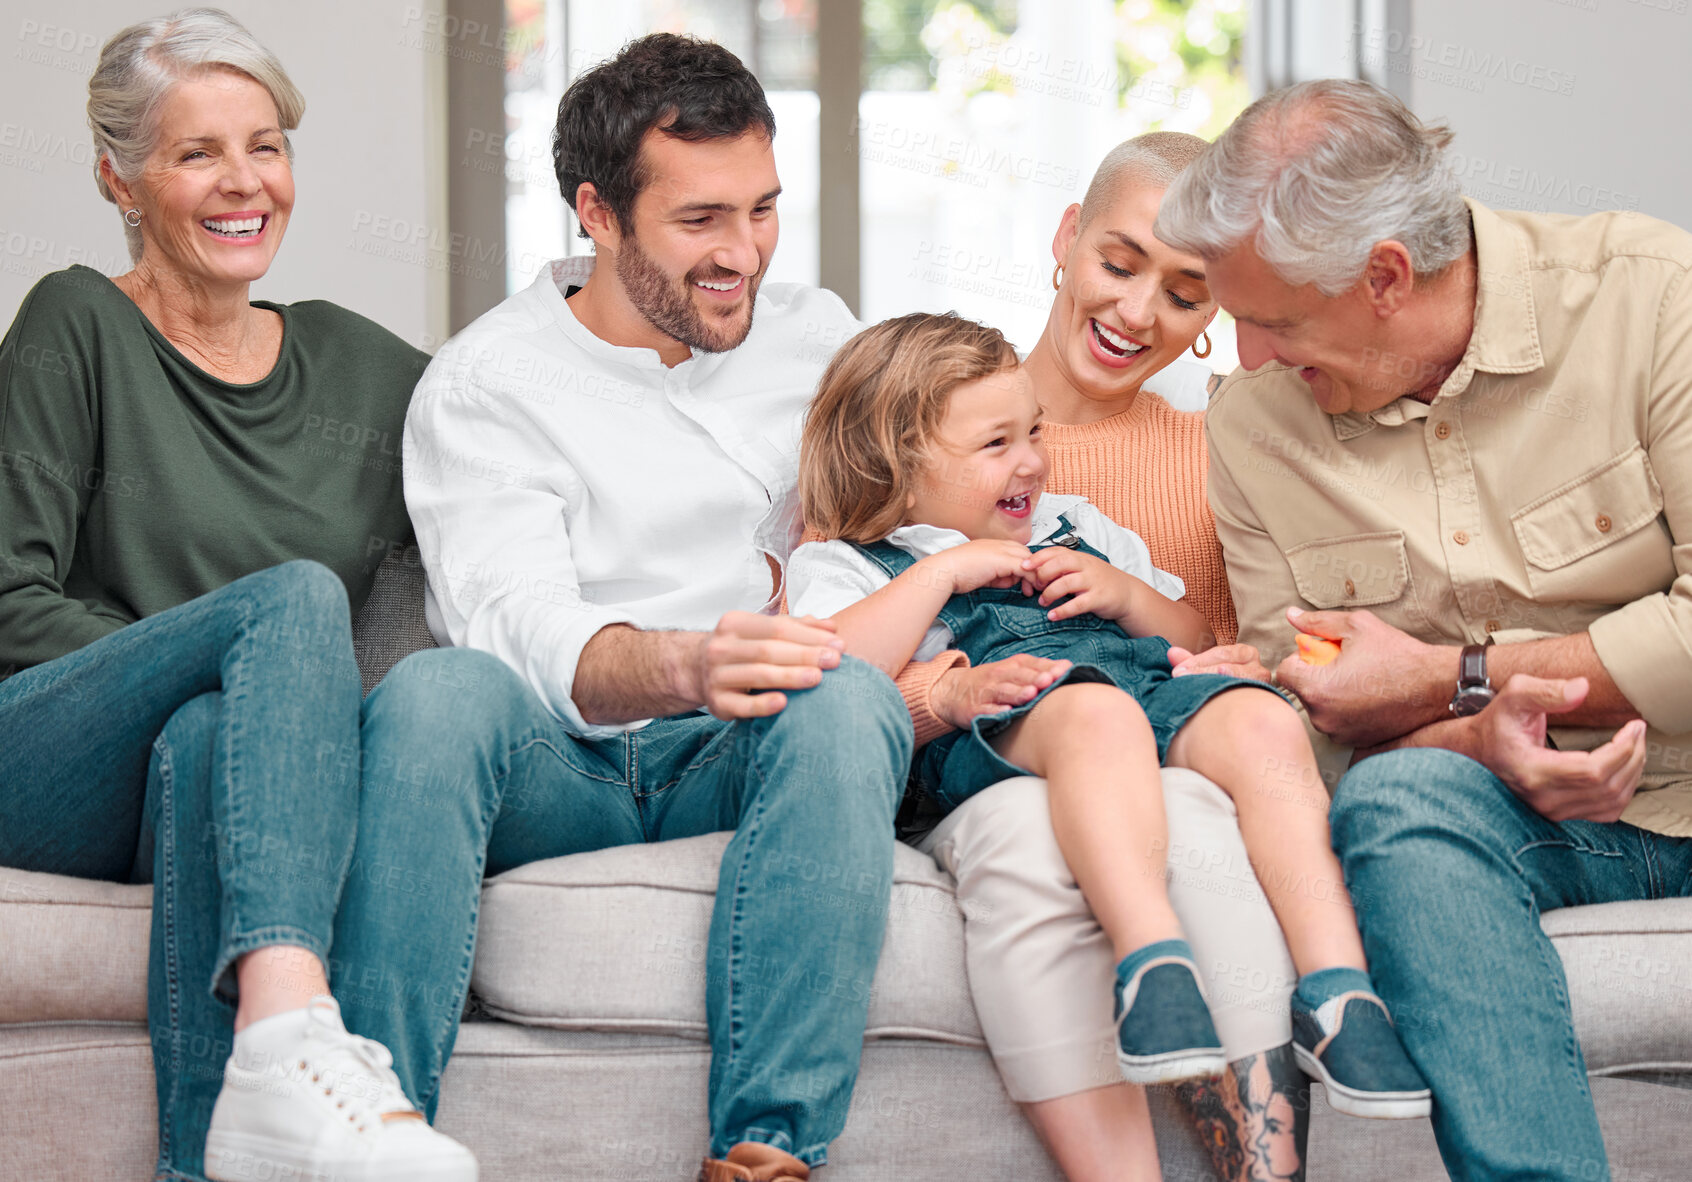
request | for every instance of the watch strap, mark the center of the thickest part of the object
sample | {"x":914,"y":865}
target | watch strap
{"x":1474,"y":687}
{"x":1471,"y":665}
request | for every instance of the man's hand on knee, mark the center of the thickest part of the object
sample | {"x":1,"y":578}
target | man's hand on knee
{"x":1230,"y":660}
{"x":738,"y":669}
{"x":1509,"y":739}
{"x":964,"y":693}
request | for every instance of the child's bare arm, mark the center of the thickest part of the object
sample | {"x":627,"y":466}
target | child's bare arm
{"x":886,"y":627}
{"x":1155,"y":615}
{"x":1096,"y":586}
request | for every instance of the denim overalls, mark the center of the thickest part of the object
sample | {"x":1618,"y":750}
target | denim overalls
{"x":993,"y":623}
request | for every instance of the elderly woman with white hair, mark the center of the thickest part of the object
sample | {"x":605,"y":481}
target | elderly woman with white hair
{"x":177,"y":564}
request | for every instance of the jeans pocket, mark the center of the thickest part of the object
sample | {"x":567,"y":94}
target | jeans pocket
{"x":1578,"y":863}
{"x":1585,"y":837}
{"x":1028,"y":620}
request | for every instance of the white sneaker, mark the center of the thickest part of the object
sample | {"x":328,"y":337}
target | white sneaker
{"x":305,"y":1101}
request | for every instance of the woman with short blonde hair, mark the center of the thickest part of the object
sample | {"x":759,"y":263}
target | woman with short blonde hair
{"x":1127,"y":306}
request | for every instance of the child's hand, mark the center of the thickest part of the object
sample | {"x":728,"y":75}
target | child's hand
{"x":962,"y":694}
{"x":1095,"y":585}
{"x":985,"y":562}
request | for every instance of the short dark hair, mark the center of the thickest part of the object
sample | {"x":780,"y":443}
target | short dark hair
{"x":691,"y":89}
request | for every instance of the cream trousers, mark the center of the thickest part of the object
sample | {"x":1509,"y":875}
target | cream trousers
{"x":1040,"y":967}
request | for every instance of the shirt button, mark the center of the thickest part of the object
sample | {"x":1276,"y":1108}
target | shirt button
{"x":1443,"y":431}
{"x":1493,"y":625}
{"x":1603,"y":523}
{"x":1350,"y":588}
{"x":1461,"y":537}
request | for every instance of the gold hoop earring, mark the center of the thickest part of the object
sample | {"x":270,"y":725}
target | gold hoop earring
{"x":1207,"y":347}
{"x":1057,"y":277}
{"x":132,"y":217}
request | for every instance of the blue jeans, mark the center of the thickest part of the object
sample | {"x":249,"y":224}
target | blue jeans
{"x":201,"y":749}
{"x":1450,"y":872}
{"x":493,"y":781}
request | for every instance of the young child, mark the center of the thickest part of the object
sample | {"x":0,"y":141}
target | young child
{"x":921,"y":459}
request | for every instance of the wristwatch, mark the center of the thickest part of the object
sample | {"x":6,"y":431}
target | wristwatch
{"x":1474,"y":688}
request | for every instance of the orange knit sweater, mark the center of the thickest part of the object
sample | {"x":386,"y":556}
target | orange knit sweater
{"x":1145,"y":469}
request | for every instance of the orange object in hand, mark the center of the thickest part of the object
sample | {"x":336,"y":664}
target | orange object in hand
{"x":1316,"y":650}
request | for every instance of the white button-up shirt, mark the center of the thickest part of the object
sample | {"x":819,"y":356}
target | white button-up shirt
{"x":828,"y":577}
{"x":559,"y":484}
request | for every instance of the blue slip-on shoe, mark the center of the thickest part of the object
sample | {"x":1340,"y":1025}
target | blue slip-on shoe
{"x":1344,"y":1037}
{"x":1163,"y":1027}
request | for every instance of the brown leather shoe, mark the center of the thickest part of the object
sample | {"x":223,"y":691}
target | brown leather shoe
{"x":753,"y":1161}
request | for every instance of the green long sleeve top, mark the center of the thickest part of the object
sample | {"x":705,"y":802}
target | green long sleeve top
{"x":131,"y":480}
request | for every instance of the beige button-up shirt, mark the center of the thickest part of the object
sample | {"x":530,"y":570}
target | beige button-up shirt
{"x":1546,"y":490}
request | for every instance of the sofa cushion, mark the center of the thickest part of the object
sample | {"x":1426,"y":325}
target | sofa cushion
{"x":71,"y":948}
{"x":616,"y":940}
{"x":76,"y":1102}
{"x":1629,"y":967}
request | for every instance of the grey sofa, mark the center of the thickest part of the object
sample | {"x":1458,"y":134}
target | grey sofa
{"x":585,"y":1055}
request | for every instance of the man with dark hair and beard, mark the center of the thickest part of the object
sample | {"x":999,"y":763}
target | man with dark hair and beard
{"x":665,"y":153}
{"x":601,"y":474}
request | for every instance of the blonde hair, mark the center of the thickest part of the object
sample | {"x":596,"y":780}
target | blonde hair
{"x":878,"y":409}
{"x":138,"y":67}
{"x":1154,"y":160}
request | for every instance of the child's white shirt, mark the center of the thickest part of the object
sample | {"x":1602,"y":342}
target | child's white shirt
{"x":827,"y":577}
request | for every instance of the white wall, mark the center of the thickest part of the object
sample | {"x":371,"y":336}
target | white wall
{"x":1560,"y":106}
{"x":1563,"y":105}
{"x":368,"y":229}
{"x":1567,"y":106}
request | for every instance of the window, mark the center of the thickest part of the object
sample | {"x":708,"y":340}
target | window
{"x":980,"y":122}
{"x":977,"y":123}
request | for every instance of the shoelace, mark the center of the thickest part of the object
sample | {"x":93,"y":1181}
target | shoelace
{"x":372,"y":1061}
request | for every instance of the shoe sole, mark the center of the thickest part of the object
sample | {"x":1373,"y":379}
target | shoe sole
{"x":1369,"y":1105}
{"x":244,"y":1157}
{"x":1172,"y":1066}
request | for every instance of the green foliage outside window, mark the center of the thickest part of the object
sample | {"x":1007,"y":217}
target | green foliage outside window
{"x":1182,"y":57}
{"x":1195,"y":45}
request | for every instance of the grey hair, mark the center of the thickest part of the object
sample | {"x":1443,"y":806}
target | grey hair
{"x":138,"y":67}
{"x":1315,"y":175}
{"x":1154,"y":160}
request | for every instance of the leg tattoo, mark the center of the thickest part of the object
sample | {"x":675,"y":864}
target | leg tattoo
{"x":1255,"y":1119}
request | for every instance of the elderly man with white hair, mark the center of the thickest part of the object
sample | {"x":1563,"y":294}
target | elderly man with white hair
{"x":1460,"y":447}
